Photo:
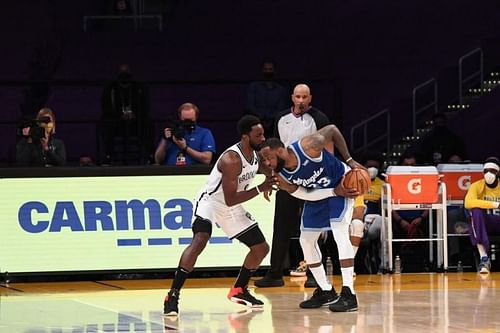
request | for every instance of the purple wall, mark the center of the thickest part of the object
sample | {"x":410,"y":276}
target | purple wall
{"x":371,"y":53}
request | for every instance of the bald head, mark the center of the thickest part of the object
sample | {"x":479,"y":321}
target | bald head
{"x":301,"y":89}
{"x":301,"y":98}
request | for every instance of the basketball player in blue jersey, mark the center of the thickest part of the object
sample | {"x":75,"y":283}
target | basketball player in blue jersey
{"x":227,"y":186}
{"x":310,"y":172}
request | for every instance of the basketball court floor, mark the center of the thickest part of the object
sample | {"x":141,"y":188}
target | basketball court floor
{"x":452,"y":302}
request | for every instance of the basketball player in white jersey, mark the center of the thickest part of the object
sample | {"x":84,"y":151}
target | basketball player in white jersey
{"x":220,"y":202}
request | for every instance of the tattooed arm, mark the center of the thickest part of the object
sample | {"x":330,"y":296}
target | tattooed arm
{"x":313,"y":144}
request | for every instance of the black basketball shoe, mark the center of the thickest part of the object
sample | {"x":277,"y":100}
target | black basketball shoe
{"x":170,"y":305}
{"x":242,"y":296}
{"x":320,"y":298}
{"x":347,"y":302}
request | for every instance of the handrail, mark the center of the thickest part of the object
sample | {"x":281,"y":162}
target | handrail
{"x":433,"y":103}
{"x":461,"y":79}
{"x":364,"y":125}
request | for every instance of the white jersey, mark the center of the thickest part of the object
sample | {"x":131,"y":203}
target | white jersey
{"x":213,"y":186}
{"x":291,"y":128}
{"x":210,"y":204}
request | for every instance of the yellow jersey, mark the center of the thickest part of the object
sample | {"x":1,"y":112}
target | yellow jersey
{"x":481,"y":196}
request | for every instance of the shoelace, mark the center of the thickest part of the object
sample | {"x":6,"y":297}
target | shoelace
{"x":173,"y":294}
{"x":247,"y":294}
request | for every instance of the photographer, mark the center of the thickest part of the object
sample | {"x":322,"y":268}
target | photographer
{"x":37,"y":147}
{"x":184,"y":142}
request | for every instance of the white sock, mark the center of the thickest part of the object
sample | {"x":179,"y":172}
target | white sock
{"x":482,"y":250}
{"x":320,"y":277}
{"x":347,"y":279}
{"x":355,"y":248}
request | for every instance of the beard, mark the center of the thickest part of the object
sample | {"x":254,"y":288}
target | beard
{"x":255,"y":146}
{"x":280,"y":164}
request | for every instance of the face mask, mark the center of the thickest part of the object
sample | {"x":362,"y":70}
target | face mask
{"x":373,"y":172}
{"x":124,"y":77}
{"x":489,"y":178}
{"x":268,"y":76}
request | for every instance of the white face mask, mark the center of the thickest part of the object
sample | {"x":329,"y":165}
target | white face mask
{"x":373,"y":172}
{"x":489,"y":178}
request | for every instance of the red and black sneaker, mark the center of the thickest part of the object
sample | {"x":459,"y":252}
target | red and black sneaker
{"x":170,"y":305}
{"x":242,"y":296}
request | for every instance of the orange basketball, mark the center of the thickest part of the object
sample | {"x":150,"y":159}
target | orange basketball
{"x":359,"y":179}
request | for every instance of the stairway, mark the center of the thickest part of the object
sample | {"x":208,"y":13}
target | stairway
{"x":451,"y":110}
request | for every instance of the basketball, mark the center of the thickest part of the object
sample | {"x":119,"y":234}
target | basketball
{"x":358,"y":178}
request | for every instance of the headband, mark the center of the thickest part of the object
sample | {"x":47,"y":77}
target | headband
{"x":491,"y":165}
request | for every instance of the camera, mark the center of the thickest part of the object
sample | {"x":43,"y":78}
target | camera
{"x":180,"y":128}
{"x":37,"y":127}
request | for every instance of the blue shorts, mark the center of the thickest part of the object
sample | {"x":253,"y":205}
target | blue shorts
{"x":317,"y":215}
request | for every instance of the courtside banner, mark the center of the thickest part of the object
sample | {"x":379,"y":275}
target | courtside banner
{"x":110,"y":223}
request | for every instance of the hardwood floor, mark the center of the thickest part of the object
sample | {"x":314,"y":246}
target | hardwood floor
{"x":451,"y":302}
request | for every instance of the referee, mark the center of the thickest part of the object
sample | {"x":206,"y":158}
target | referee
{"x":290,"y":125}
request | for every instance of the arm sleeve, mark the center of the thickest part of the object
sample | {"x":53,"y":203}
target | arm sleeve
{"x":320,"y":118}
{"x":313,"y":194}
{"x":472,"y":198}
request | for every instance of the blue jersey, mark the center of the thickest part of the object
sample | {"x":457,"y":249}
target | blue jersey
{"x":325,"y":171}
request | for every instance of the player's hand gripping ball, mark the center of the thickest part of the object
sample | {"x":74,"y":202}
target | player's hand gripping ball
{"x":359,"y":179}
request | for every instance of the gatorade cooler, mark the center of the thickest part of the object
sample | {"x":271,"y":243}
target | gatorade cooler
{"x":412,"y":184}
{"x":458,"y":178}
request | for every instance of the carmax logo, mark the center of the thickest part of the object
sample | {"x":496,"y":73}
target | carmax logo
{"x":120,"y":215}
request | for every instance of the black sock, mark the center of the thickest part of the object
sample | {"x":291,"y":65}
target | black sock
{"x":180,"y":277}
{"x":244,"y":277}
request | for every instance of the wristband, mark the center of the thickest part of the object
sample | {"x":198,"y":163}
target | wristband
{"x":348,"y":160}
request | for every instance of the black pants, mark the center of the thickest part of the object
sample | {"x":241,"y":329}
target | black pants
{"x":287,"y":214}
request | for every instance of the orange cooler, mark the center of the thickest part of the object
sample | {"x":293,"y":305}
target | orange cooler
{"x":412,"y":184}
{"x":458,"y":178}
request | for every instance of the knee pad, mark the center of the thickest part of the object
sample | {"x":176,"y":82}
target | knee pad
{"x":310,"y":248}
{"x":357,"y":228}
{"x":341,"y":235}
{"x":202,"y":225}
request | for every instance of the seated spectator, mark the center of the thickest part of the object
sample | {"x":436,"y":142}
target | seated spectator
{"x":185,"y":142}
{"x":367,"y":219}
{"x":126,"y":125}
{"x":86,"y":160}
{"x":121,"y":7}
{"x":266,"y":98}
{"x":483,"y":200}
{"x":37,"y":146}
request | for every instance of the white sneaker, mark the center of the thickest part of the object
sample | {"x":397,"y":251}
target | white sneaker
{"x":299,"y":271}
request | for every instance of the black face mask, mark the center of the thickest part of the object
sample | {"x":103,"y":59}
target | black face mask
{"x":124,"y":77}
{"x":268,"y":76}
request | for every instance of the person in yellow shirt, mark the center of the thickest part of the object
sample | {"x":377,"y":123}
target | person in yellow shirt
{"x":366,"y":218}
{"x":483,"y":201}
